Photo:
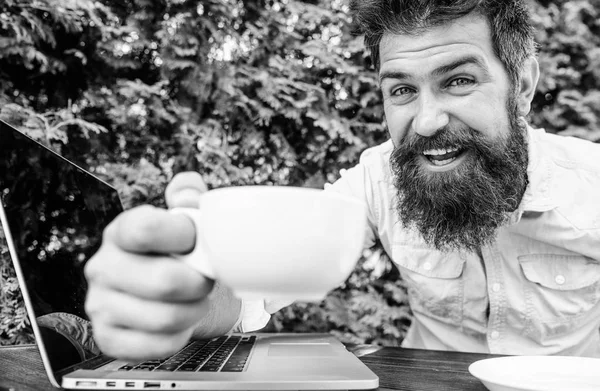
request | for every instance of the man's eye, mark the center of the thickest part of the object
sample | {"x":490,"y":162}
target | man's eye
{"x":460,"y":82}
{"x":402,"y":91}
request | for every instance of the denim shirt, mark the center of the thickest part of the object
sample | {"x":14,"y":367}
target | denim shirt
{"x":534,"y":290}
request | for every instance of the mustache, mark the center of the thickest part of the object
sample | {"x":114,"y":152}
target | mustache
{"x":461,"y":137}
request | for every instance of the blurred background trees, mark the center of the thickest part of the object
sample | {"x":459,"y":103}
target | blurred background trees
{"x":244,"y":92}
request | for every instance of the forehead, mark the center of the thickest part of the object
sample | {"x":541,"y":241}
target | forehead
{"x":469,"y":35}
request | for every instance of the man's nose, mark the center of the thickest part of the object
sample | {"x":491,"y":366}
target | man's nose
{"x":430,"y":117}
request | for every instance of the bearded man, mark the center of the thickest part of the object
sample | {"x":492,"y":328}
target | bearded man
{"x":494,"y":225}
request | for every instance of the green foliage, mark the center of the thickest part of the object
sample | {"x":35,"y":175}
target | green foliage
{"x":140,"y":183}
{"x":244,"y":92}
{"x":49,"y":128}
{"x":569,"y":89}
{"x":45,"y":45}
{"x":15,"y":328}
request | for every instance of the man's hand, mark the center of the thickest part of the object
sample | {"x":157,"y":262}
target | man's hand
{"x":144,"y":303}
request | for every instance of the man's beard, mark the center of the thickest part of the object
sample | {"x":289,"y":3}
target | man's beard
{"x":461,"y":209}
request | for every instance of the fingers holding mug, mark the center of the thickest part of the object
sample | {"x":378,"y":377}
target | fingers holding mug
{"x":184,"y":190}
{"x":150,"y":230}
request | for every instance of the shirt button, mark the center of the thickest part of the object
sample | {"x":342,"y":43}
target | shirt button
{"x":427,"y":266}
{"x":560,"y":279}
{"x":496,"y":287}
{"x":494,"y":334}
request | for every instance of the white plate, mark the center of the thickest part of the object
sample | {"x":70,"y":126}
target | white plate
{"x":538,"y":373}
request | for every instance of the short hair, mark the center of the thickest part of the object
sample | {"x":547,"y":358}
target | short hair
{"x":509,"y":21}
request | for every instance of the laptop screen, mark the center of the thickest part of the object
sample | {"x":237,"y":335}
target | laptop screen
{"x":55,"y":213}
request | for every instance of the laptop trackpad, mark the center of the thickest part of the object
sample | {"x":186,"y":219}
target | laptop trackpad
{"x":301,"y":350}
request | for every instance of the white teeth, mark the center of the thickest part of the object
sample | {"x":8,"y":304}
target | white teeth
{"x":435,"y":152}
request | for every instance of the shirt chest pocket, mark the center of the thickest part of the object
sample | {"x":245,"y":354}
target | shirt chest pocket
{"x":560,"y":289}
{"x":433,"y":280}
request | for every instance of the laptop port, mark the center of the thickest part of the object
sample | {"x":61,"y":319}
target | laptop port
{"x":151,"y":384}
{"x":111,"y":384}
{"x":85,"y":383}
{"x":129,"y":384}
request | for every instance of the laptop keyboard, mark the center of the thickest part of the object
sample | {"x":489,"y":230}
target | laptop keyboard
{"x":222,"y":354}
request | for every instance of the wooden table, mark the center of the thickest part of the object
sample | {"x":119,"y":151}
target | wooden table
{"x":398,"y":369}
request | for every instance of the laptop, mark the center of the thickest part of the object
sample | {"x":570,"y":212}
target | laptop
{"x":53,"y":214}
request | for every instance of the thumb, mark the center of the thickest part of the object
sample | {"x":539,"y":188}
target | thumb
{"x":184,"y":190}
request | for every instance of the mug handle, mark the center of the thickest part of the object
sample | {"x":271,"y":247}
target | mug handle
{"x":199,"y":258}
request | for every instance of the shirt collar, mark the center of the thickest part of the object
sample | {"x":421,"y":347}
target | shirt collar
{"x":538,"y":195}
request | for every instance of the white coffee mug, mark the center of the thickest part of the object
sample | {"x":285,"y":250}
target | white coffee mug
{"x":277,"y":242}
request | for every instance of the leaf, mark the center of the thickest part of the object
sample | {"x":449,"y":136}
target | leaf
{"x":314,"y":48}
{"x":6,"y":42}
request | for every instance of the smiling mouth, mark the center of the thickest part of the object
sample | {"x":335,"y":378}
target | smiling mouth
{"x":444,"y":157}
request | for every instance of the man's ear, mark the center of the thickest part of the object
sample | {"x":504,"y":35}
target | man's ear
{"x":530,"y":75}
